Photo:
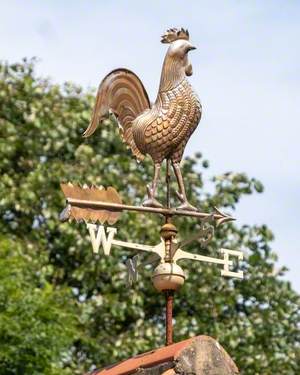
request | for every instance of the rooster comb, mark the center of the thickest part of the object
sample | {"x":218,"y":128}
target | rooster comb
{"x":174,"y":34}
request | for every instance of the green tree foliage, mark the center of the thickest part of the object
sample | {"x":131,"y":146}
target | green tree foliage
{"x":63,"y":307}
{"x":37,"y":321}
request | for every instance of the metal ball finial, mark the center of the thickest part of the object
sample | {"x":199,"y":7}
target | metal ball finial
{"x":168,"y":276}
{"x":168,"y":231}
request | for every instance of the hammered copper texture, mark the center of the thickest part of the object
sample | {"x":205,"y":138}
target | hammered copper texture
{"x":162,"y":129}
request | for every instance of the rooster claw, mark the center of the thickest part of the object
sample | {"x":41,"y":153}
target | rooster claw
{"x":152,"y":202}
{"x":185,"y":206}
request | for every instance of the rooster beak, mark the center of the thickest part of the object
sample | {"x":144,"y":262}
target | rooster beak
{"x":192,"y":48}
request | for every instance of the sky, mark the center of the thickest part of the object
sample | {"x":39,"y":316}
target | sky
{"x":246,"y":72}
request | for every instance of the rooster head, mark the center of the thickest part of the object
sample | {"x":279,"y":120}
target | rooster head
{"x":179,"y":48}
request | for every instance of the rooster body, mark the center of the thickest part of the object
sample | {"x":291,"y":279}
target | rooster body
{"x":163,"y":129}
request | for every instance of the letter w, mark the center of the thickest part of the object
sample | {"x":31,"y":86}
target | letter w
{"x":101,"y":238}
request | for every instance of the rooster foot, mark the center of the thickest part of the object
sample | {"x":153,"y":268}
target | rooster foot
{"x":185,"y":206}
{"x":152,"y":202}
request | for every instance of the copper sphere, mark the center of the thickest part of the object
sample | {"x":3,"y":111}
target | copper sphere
{"x":168,"y":276}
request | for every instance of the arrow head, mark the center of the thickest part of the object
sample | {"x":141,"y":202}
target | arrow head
{"x":221,"y":217}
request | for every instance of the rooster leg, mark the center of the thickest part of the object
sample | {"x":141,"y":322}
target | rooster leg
{"x":185,"y":206}
{"x":151,"y":189}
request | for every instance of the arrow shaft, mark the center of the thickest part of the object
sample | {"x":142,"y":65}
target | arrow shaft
{"x":163,"y":211}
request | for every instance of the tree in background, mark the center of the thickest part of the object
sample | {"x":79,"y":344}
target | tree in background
{"x":37,"y":320}
{"x":63,"y":309}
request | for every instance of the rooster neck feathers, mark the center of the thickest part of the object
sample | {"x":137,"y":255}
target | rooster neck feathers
{"x":172,"y":74}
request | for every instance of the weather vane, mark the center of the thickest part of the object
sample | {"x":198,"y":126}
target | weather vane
{"x":162,"y":131}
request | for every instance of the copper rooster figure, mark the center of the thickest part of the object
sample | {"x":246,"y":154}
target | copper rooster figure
{"x":163,"y":128}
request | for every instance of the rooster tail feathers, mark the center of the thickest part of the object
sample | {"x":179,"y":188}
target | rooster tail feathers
{"x":122,"y":93}
{"x":100,"y":111}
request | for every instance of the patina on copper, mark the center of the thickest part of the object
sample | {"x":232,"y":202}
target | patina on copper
{"x":163,"y":129}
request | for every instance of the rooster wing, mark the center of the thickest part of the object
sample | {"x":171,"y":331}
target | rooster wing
{"x":164,"y":131}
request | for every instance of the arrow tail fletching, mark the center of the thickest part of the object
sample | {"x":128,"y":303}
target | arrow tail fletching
{"x":93,"y":193}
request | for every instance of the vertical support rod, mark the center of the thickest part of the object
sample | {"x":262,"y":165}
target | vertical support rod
{"x":169,"y":316}
{"x":168,"y":177}
{"x":168,"y":293}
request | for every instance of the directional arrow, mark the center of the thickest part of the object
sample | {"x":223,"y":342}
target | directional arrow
{"x":97,"y":204}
